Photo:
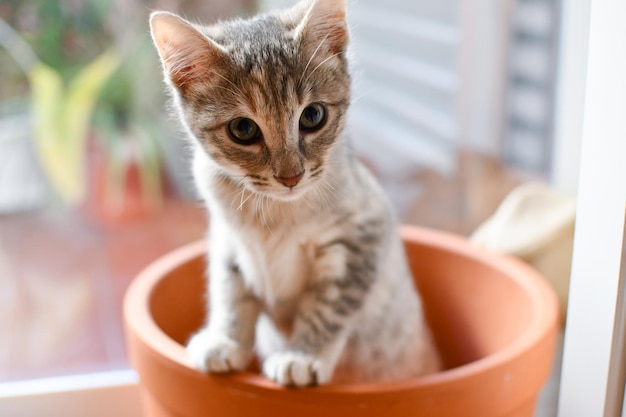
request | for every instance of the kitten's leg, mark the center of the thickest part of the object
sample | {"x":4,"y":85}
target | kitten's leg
{"x":325,"y":317}
{"x":226,"y":344}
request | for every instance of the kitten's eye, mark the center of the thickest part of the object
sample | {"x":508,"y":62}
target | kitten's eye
{"x":313,"y":117}
{"x":243,"y":130}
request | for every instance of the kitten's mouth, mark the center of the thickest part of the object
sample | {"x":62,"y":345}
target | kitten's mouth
{"x":286,"y":193}
{"x":281,"y":192}
{"x":290,"y":194}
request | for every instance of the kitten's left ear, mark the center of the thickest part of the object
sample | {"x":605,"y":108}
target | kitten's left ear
{"x":323,"y":29}
{"x":188,"y":56}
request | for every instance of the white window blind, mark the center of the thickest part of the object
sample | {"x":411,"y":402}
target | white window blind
{"x":406,"y":82}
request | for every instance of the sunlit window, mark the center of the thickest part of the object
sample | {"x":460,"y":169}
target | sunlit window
{"x":453,"y":110}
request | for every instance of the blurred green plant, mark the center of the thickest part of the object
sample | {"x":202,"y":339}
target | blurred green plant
{"x":63,"y":34}
{"x":126,"y":118}
{"x":61,"y":120}
{"x":78,"y":95}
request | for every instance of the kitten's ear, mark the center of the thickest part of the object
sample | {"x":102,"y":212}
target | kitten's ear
{"x":323,"y":28}
{"x":187,"y":55}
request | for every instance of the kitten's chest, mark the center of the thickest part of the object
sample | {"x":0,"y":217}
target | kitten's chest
{"x":277,"y":265}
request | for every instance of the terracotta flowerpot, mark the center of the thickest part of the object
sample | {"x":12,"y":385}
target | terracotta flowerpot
{"x":494,"y":320}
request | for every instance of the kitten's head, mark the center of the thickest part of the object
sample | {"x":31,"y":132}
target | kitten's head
{"x":266,"y":98}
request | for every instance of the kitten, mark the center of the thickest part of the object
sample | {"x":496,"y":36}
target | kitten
{"x":306,"y":264}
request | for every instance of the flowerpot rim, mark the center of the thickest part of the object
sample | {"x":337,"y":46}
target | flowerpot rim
{"x":541,"y":324}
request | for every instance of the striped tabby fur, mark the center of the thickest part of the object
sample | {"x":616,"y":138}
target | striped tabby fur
{"x":306,"y":264}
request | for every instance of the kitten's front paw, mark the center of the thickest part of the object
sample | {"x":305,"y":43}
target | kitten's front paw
{"x":219,"y":354}
{"x":296,"y":369}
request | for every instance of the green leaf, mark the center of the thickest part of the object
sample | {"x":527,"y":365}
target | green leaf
{"x":62,"y":117}
{"x":150,"y":168}
{"x":47,"y":107}
{"x":82,"y":95}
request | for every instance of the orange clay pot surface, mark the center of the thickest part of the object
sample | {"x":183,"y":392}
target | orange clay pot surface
{"x":494,"y":320}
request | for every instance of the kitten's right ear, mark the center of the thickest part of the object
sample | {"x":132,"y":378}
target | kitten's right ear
{"x":324,"y":29}
{"x":187,"y":55}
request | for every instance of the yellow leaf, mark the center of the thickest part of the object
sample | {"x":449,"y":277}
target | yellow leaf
{"x":62,"y":116}
{"x":48,"y":99}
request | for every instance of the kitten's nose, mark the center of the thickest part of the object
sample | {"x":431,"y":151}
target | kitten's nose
{"x":290,"y":181}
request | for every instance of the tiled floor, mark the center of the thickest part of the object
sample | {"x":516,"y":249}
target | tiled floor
{"x":62,"y":277}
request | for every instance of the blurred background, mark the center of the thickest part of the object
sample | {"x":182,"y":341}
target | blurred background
{"x":454,"y":107}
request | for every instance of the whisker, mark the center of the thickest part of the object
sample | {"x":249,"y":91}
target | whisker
{"x":305,"y":199}
{"x":240,"y":198}
{"x":258,"y":209}
{"x":312,"y":56}
{"x":329,"y":185}
{"x":262,"y":210}
{"x":361,"y":96}
{"x":266,"y":217}
{"x":270,"y":211}
{"x":244,"y":201}
{"x":320,"y":64}
{"x":331,"y":191}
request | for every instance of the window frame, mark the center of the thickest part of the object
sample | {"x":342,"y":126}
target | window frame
{"x":590,"y":370}
{"x":102,"y":394}
{"x":592,"y":380}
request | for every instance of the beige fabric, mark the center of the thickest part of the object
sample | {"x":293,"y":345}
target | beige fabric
{"x":536,"y":224}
